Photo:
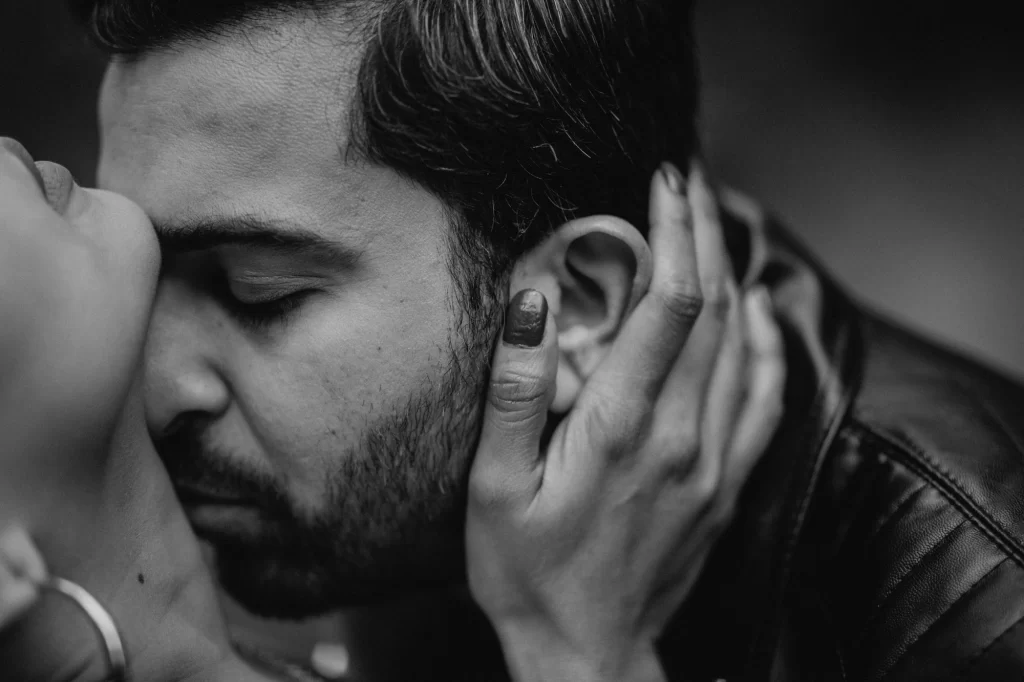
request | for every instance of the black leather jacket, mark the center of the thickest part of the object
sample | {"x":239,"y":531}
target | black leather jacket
{"x":882,"y":537}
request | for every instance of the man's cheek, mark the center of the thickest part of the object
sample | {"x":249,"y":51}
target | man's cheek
{"x":298,"y":437}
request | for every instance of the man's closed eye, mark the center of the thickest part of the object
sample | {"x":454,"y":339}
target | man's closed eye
{"x":258,"y":311}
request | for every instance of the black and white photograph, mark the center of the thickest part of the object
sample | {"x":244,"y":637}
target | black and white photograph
{"x":511,"y":341}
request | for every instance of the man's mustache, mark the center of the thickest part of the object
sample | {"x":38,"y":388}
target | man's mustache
{"x":192,"y":463}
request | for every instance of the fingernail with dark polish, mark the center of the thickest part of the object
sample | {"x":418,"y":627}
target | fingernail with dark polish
{"x":673,"y":178}
{"x":525,"y":319}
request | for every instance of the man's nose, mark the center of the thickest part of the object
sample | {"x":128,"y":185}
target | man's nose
{"x":182,"y":378}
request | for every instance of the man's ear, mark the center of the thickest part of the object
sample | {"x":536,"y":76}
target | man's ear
{"x":593,"y":271}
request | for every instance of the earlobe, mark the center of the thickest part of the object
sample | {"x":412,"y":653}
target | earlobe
{"x":593,"y":271}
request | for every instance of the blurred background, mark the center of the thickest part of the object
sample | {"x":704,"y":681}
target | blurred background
{"x":888,"y":133}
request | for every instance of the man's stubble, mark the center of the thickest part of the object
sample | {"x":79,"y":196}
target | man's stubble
{"x":393,"y":517}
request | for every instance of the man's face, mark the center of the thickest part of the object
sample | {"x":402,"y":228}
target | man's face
{"x":309,"y":384}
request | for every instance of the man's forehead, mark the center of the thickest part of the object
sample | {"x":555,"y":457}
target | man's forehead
{"x":242,"y":100}
{"x":205,"y":136}
{"x":253,"y":122}
{"x":257,"y":68}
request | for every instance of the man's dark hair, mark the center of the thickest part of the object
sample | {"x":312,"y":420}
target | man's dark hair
{"x":517,"y":114}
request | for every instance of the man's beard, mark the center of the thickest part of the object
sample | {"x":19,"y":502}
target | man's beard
{"x":393,"y":517}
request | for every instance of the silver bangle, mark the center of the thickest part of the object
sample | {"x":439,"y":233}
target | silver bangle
{"x":102,"y":622}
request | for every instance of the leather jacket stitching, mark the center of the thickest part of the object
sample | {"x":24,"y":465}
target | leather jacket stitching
{"x":894,"y":513}
{"x":921,"y":635}
{"x":916,"y":460}
{"x":889,"y":594}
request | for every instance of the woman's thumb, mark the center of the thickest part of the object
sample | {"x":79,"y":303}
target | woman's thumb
{"x":520,"y":391}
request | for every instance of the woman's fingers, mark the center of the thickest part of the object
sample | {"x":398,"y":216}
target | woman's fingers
{"x":688,"y":388}
{"x":696,"y":364}
{"x":651,"y":338}
{"x":766,"y":380}
{"x":712,"y":257}
{"x":742,"y":412}
{"x":521,"y":389}
{"x":727,"y":388}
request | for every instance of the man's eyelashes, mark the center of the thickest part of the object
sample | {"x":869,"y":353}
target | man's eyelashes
{"x":260,"y":313}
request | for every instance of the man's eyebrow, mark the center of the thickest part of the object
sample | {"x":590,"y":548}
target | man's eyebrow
{"x":274,"y":235}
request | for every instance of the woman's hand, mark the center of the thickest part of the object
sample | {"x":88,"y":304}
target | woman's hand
{"x":580,"y":554}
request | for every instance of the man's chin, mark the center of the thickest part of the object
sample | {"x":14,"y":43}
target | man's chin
{"x":265,"y":577}
{"x":270,"y":589}
{"x":282,"y":569}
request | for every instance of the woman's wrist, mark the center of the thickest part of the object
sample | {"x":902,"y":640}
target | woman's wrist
{"x":534,"y":653}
